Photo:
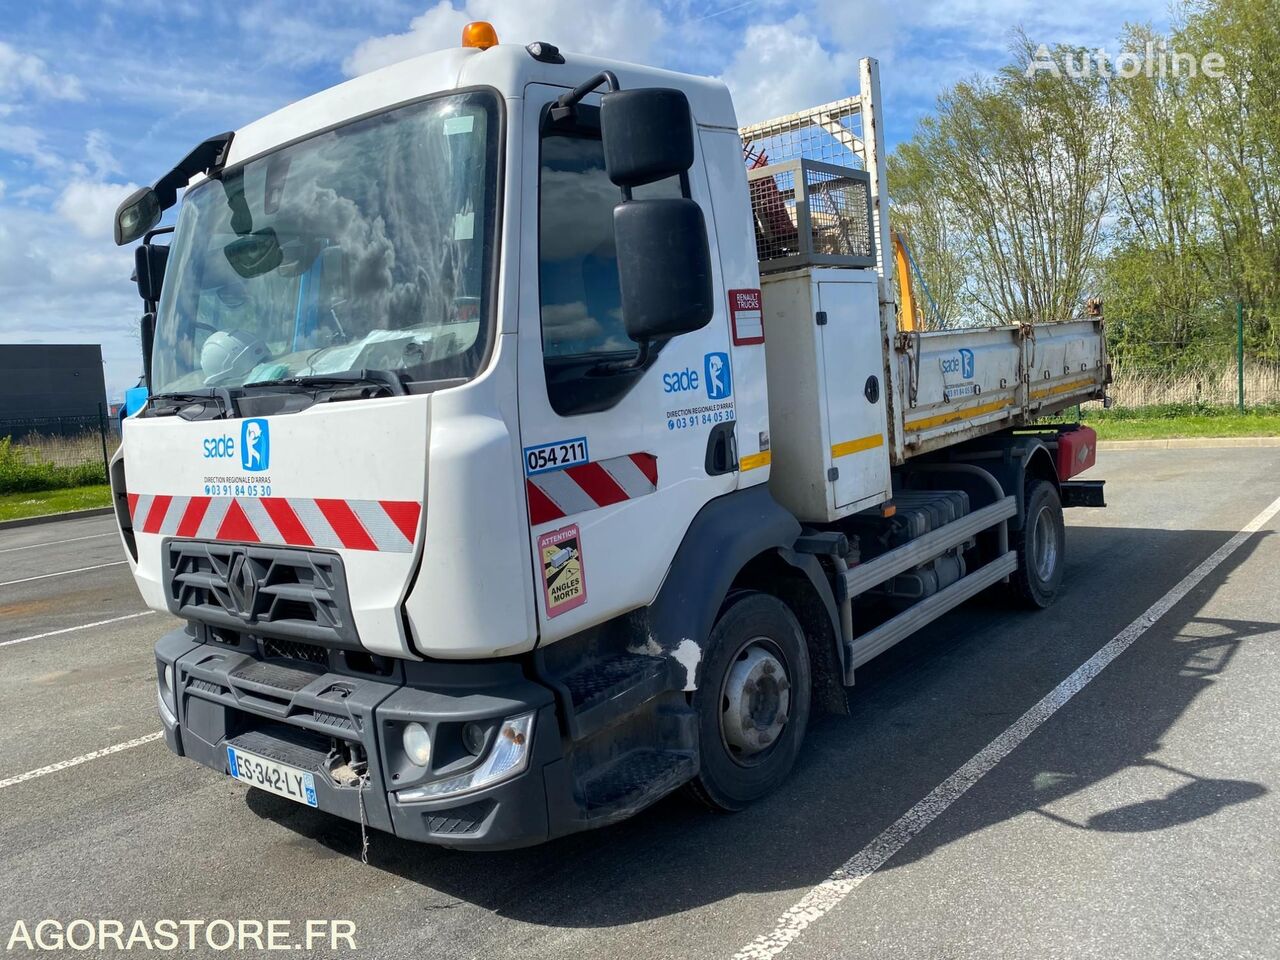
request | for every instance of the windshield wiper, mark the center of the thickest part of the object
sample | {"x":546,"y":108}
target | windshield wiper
{"x":382,"y":379}
{"x":195,"y":402}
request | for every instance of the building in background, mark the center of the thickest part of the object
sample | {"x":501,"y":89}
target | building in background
{"x":51,"y":388}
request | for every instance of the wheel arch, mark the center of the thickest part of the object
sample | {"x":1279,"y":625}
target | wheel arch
{"x":744,"y":541}
{"x":1011,"y":458}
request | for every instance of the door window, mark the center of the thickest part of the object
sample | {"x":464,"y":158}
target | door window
{"x":583,"y":336}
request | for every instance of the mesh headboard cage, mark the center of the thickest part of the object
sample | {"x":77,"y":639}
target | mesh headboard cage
{"x":811,"y":214}
{"x":831,"y":133}
{"x":810,"y":197}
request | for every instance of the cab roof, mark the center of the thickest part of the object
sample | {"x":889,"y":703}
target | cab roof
{"x":508,"y":68}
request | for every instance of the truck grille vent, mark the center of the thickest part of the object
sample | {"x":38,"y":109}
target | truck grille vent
{"x":277,"y":648}
{"x":273,"y":592}
{"x":207,"y":686}
{"x":333,"y":720}
{"x":460,"y":819}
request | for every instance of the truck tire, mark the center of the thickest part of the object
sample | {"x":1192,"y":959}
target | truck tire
{"x":1041,"y":546}
{"x":752,"y":702}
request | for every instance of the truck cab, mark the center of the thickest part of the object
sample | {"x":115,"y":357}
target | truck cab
{"x":456,"y":460}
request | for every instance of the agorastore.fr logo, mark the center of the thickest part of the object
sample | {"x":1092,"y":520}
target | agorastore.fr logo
{"x":180,"y":936}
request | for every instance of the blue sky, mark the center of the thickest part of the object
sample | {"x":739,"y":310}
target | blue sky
{"x":97,"y":97}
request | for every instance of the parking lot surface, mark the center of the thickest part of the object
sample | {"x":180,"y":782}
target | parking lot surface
{"x":1138,"y":818}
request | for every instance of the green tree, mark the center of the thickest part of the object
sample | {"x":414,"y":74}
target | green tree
{"x":1020,"y":167}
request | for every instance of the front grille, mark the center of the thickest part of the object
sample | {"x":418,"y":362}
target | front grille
{"x":275,"y":741}
{"x":276,"y":648}
{"x":270,"y":591}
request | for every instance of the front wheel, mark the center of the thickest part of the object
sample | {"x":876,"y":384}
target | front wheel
{"x":752,"y":702}
{"x":1041,"y":546}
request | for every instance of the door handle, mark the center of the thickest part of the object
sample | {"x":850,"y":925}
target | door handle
{"x":722,"y":449}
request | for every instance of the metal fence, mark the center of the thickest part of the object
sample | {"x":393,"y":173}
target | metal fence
{"x":1252,"y":384}
{"x":42,"y":453}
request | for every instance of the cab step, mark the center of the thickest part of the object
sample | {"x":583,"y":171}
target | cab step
{"x":602,"y":692}
{"x":633,"y":781}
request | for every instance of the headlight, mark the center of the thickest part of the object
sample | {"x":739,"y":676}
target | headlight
{"x":508,"y":756}
{"x":164,"y":693}
{"x":473,"y":737}
{"x":417,"y":744}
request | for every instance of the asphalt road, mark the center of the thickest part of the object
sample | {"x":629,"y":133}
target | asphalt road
{"x":1139,"y":820}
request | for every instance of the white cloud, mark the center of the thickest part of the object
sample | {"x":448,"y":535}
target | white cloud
{"x":25,"y":73}
{"x":622,"y":29}
{"x":782,"y":67}
{"x":98,"y":150}
{"x":58,"y":286}
{"x":90,"y":206}
{"x":29,"y":144}
{"x":567,"y":322}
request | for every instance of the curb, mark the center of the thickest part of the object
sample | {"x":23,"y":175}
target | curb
{"x":55,"y":517}
{"x":1189,"y":443}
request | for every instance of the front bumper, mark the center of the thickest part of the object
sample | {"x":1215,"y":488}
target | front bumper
{"x":302,"y":718}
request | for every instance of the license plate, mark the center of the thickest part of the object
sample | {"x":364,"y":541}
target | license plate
{"x":278,"y":778}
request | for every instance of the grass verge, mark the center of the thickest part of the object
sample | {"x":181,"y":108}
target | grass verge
{"x":1173,"y":420}
{"x":15,"y":506}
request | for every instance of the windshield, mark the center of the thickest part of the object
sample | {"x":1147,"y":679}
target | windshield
{"x":366,"y":247}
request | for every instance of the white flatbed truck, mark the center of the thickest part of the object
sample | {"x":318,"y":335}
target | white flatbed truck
{"x":517,"y":454}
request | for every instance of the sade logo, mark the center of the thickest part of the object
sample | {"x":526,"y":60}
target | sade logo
{"x":719,"y":377}
{"x":679,"y":381}
{"x":254,"y":448}
{"x":961,"y":363}
{"x":255,"y":445}
{"x":715,"y":376}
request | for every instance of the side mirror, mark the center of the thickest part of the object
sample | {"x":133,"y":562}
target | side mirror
{"x":140,"y":212}
{"x":149,"y":262}
{"x":647,"y":135}
{"x":664,"y":268}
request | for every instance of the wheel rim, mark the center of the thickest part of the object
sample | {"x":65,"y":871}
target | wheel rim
{"x":1046,"y":545}
{"x":755,"y":700}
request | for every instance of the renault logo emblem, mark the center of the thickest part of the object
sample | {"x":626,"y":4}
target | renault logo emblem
{"x":242,"y":583}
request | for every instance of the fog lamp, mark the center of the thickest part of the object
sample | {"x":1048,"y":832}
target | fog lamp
{"x":417,"y":744}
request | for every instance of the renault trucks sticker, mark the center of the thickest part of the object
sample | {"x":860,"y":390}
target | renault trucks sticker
{"x":563,"y":580}
{"x":746,"y":317}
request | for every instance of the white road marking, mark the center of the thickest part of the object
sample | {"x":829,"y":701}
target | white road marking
{"x":831,"y":892}
{"x":63,"y":573}
{"x":54,"y":543}
{"x":83,"y":626}
{"x":76,"y":761}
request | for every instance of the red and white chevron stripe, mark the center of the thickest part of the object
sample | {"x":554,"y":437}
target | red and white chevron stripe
{"x":588,"y":486}
{"x":381,"y":525}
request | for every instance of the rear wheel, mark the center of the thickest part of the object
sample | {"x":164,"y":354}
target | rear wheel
{"x":752,"y":702}
{"x":1041,"y":546}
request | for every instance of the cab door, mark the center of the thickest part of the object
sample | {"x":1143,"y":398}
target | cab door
{"x":616,"y":460}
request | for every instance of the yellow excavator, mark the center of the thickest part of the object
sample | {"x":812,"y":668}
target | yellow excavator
{"x":910,"y":317}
